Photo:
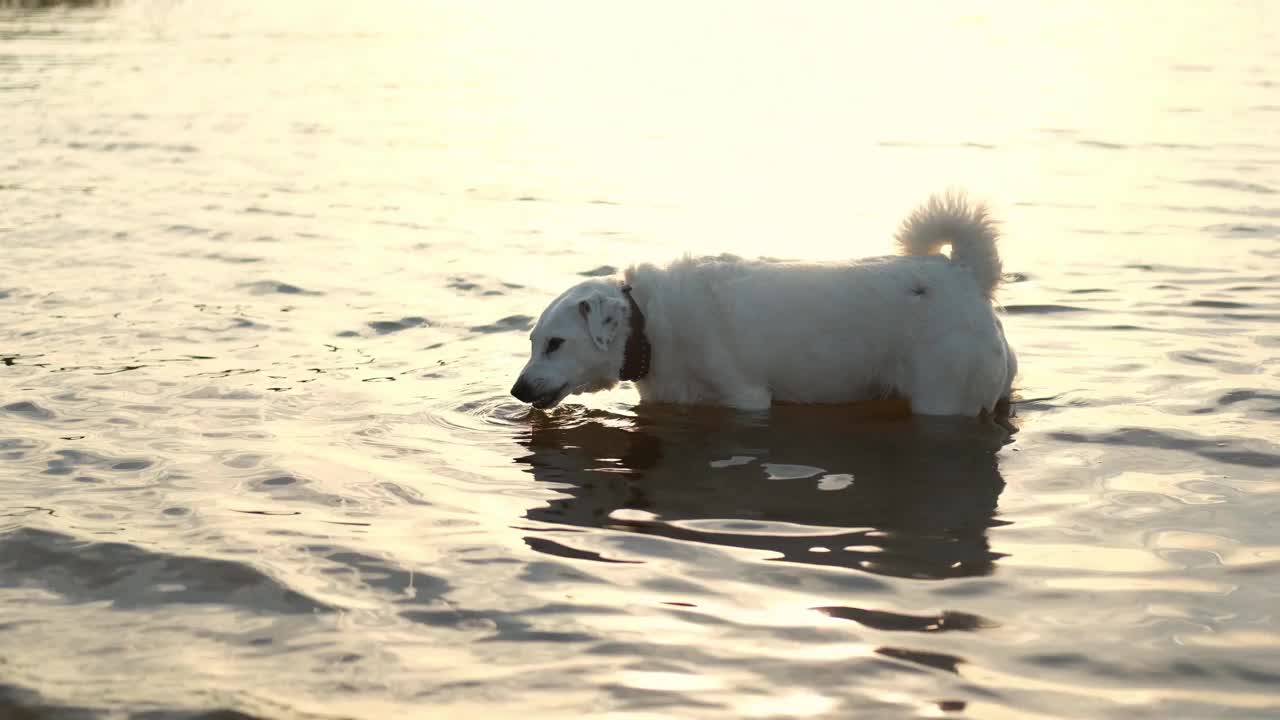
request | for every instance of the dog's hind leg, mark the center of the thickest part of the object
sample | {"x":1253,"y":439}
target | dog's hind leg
{"x":946,"y":381}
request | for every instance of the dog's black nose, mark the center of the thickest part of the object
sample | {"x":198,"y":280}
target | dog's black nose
{"x":522,"y":391}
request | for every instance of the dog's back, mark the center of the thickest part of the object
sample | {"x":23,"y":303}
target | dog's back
{"x":918,"y":324}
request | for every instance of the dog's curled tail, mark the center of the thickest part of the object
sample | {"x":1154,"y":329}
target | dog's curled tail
{"x":967,"y":227}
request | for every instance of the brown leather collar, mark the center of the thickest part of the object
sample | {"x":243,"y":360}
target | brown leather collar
{"x":636,"y":356}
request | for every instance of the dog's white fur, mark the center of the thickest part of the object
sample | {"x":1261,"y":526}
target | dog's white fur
{"x":747,"y":333}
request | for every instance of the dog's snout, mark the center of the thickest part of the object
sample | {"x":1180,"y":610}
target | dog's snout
{"x":522,"y":391}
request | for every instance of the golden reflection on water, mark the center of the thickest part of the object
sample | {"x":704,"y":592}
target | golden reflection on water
{"x":744,"y":127}
{"x":451,"y":165}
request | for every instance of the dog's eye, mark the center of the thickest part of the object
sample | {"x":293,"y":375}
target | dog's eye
{"x":553,"y":344}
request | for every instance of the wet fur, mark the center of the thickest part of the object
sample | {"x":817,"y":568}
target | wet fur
{"x":748,"y":333}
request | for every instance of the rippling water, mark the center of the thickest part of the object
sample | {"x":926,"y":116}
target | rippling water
{"x":265,"y":271}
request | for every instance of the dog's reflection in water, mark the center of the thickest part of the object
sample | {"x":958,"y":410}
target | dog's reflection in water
{"x":879,"y":490}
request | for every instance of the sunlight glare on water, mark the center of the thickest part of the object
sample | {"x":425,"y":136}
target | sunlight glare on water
{"x":266,"y":272}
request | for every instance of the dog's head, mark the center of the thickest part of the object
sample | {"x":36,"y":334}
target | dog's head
{"x":577,"y":345}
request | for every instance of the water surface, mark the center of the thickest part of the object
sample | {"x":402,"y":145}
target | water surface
{"x":265,"y":272}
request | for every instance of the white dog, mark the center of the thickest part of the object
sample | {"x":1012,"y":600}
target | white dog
{"x":747,"y":333}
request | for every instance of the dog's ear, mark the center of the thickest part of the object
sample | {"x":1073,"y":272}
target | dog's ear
{"x":603,"y":315}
